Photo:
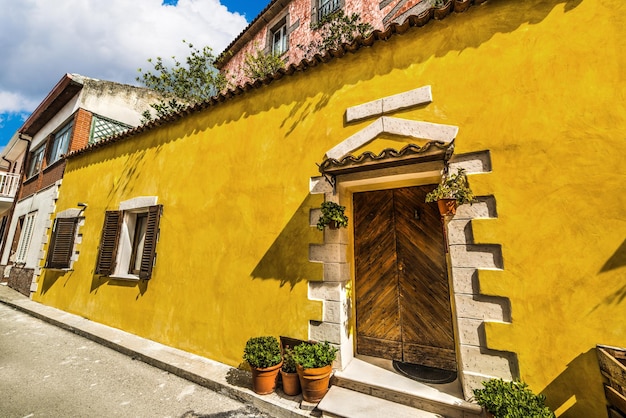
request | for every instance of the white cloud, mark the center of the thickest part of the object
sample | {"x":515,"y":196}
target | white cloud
{"x":40,"y":40}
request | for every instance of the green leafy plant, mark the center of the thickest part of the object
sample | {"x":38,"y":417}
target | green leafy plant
{"x":335,"y":29}
{"x":315,"y":355}
{"x":182,"y":84}
{"x":289,"y":364}
{"x":262,"y":352}
{"x":511,"y":400}
{"x":259,"y":65}
{"x":332,"y":212}
{"x":453,"y":186}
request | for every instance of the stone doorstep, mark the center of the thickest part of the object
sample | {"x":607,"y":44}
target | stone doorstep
{"x":341,"y":402}
{"x":369,"y":379}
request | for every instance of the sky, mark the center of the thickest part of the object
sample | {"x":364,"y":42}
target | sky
{"x":41,"y":40}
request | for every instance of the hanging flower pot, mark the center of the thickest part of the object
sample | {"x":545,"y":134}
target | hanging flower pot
{"x":447,"y":207}
{"x":453,"y":191}
{"x":332,"y":215}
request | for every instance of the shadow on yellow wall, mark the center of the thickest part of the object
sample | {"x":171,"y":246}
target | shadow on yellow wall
{"x":97,"y":281}
{"x":287,"y":258}
{"x":566,"y":396}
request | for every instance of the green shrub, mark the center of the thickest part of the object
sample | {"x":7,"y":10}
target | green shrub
{"x":511,"y":400}
{"x":262,"y":352}
{"x":311,"y":356}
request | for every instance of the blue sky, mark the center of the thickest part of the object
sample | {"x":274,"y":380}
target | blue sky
{"x":39,"y":42}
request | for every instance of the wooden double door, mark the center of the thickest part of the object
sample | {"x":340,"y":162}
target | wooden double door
{"x":403,"y":309}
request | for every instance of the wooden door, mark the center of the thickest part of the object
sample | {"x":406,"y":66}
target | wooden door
{"x":403,"y":309}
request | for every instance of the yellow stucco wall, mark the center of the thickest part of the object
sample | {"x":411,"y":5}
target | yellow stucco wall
{"x":538,"y":83}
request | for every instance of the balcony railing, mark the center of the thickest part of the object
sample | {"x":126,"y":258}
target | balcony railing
{"x":327,"y":8}
{"x":8,"y":184}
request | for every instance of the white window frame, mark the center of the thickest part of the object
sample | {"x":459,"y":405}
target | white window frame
{"x":60,"y":143}
{"x":26,"y":236}
{"x":280,"y":43}
{"x":130,"y":209}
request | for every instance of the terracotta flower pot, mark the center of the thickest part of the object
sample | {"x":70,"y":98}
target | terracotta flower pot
{"x":264,"y":380}
{"x":291,"y":383}
{"x":447,"y":207}
{"x":333,"y":225}
{"x":314,"y":382}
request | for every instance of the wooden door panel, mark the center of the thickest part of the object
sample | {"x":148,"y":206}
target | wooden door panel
{"x":403,"y":309}
{"x":425,"y":308}
{"x":376,"y":292}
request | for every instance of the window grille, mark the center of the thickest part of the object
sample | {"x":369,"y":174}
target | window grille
{"x":102,"y":128}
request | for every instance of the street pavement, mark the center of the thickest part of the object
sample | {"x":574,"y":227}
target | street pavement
{"x":46,"y":371}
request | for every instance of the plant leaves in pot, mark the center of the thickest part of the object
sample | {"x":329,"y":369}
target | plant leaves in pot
{"x":453,"y":191}
{"x":333,"y":216}
{"x":289,"y":375}
{"x":265,"y":359}
{"x":314,"y":366}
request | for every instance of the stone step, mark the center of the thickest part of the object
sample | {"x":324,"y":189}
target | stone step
{"x":341,"y":402}
{"x":360,"y":376}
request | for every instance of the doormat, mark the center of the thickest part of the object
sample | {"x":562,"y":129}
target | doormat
{"x":424,"y":374}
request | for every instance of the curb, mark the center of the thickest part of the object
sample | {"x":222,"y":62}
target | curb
{"x":216,"y":376}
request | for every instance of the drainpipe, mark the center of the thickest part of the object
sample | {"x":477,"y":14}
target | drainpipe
{"x":28,"y":139}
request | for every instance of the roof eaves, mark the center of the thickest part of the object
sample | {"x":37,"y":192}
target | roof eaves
{"x":358,"y":43}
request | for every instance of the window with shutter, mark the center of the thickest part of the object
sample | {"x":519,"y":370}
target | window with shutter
{"x":128,"y":243}
{"x":62,"y":243}
{"x":108,"y":242}
{"x":151,"y":238}
{"x":25,"y":237}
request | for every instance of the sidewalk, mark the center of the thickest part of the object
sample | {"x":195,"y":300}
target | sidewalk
{"x":208,"y":373}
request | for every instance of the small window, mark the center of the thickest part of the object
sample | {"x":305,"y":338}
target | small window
{"x":327,"y":7}
{"x":102,"y":127}
{"x":128,"y":243}
{"x":62,"y":243}
{"x":36,"y":159}
{"x":25,"y":237}
{"x":279,"y":38}
{"x":60,"y":143}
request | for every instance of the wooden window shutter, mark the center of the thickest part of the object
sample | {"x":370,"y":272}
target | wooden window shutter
{"x":62,"y":243}
{"x":108,"y":242}
{"x":149,"y":246}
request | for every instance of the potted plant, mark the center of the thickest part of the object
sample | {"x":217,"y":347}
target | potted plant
{"x":314,"y":366}
{"x":265,"y":359}
{"x":332,"y":216}
{"x":289,"y":375}
{"x":503,"y":399}
{"x":453,"y":191}
{"x":442,"y":8}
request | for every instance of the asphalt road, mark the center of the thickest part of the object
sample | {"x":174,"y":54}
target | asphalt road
{"x":46,"y":371}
